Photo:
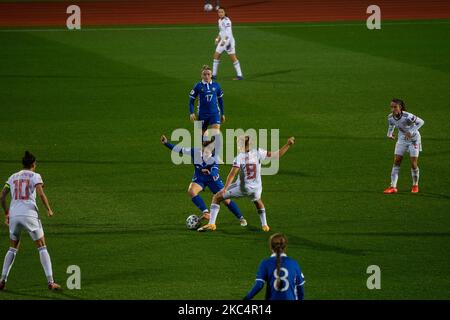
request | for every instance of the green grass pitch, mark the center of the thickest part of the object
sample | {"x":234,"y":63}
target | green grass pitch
{"x":92,"y":104}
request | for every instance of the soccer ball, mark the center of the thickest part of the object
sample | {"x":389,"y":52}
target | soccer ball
{"x":208,"y":7}
{"x":192,"y":222}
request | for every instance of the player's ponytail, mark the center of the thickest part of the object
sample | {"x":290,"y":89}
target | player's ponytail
{"x":400,"y":102}
{"x":278,"y":243}
{"x":28,"y":160}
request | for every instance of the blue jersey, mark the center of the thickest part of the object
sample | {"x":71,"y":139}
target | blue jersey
{"x":291,"y":278}
{"x":209,"y":98}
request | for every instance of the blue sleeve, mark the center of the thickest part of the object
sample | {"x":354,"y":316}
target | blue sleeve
{"x":215,"y":171}
{"x":299,"y":282}
{"x":256,"y":288}
{"x":169,"y":145}
{"x":300,"y":292}
{"x":192,"y":96}
{"x":220,"y":100}
{"x":261,"y":278}
{"x":180,"y":150}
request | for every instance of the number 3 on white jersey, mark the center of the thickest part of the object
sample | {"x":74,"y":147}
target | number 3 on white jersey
{"x":284,"y":279}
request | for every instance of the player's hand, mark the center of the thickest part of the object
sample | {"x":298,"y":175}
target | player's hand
{"x":164,"y":139}
{"x":206,"y":171}
{"x":392,"y":137}
{"x":408,"y":135}
{"x":50,"y":213}
{"x":217,"y":40}
{"x":222,"y":118}
{"x":7,"y":220}
{"x":193,"y":117}
{"x":291,"y":141}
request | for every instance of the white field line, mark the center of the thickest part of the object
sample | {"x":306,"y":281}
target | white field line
{"x":256,"y":26}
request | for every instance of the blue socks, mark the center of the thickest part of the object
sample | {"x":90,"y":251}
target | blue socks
{"x":199,"y":203}
{"x":232,"y":206}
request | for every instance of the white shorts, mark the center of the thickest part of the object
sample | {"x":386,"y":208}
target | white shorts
{"x":230,"y":48}
{"x":30,"y":224}
{"x":413,"y":148}
{"x":235,"y":190}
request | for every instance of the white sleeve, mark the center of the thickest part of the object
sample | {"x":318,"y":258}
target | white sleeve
{"x":262,"y":154}
{"x":37,"y":179}
{"x":9,"y":181}
{"x":237,"y":162}
{"x":391,"y":129}
{"x":419,"y":123}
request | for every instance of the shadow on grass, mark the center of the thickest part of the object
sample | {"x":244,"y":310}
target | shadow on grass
{"x":396,"y":234}
{"x":55,"y":295}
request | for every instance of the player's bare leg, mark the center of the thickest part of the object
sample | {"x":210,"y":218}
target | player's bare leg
{"x":215,"y":207}
{"x":415,"y":174}
{"x":46,"y":264}
{"x":216,"y":63}
{"x":237,"y":67}
{"x":193,"y":191}
{"x":8,"y":262}
{"x":394,"y":174}
{"x":262,"y":214}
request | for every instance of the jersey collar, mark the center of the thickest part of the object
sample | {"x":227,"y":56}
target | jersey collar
{"x":204,"y":82}
{"x":282,"y":255}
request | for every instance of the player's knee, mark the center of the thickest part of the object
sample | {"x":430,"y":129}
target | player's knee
{"x":40,"y":243}
{"x":227,"y":202}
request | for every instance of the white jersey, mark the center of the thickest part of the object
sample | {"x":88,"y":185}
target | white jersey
{"x":225,"y":30}
{"x":406,"y":123}
{"x":23,"y":193}
{"x":249,"y":164}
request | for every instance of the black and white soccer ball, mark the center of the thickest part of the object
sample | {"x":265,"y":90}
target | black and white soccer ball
{"x":192,"y":222}
{"x":208,"y":7}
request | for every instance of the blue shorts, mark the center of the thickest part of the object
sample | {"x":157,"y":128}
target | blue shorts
{"x":209,"y":119}
{"x":214,"y":186}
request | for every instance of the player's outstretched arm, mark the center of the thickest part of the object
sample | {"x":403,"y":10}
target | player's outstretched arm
{"x":44,"y":199}
{"x":3,"y":195}
{"x":278,"y":154}
{"x":173,"y":147}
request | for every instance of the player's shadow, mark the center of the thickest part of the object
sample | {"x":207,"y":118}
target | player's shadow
{"x":319,"y":246}
{"x":55,"y":295}
{"x":295,"y":241}
{"x":396,"y":234}
{"x":271,"y":73}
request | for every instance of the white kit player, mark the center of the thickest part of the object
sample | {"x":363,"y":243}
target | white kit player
{"x":22,"y":215}
{"x":249,"y":184}
{"x":225,"y":42}
{"x":409,"y":140}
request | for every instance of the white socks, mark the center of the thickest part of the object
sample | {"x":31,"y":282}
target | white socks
{"x":7,"y":264}
{"x":415,"y":176}
{"x":237,"y":67}
{"x":46,"y":263}
{"x":213,"y":213}
{"x":262,"y":216}
{"x":215,"y":67}
{"x":394,"y":176}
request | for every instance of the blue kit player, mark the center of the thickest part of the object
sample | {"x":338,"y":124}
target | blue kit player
{"x":206,"y":174}
{"x":282,"y":275}
{"x":210,"y":103}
